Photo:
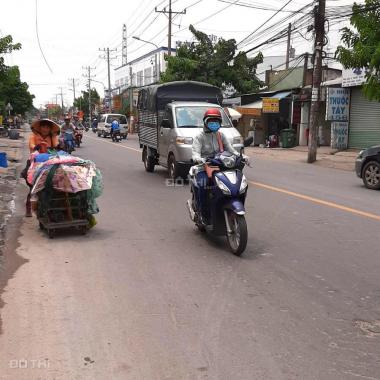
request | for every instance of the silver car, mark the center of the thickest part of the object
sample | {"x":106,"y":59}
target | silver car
{"x":104,"y":125}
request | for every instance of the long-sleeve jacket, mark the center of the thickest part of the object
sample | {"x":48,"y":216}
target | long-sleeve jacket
{"x":206,"y":144}
{"x":36,"y":139}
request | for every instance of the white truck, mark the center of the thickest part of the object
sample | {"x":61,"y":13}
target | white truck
{"x":170,"y":115}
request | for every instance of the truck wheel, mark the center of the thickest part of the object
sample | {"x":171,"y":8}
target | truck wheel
{"x":148,"y":161}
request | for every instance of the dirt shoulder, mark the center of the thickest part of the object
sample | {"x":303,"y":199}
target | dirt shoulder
{"x":326,"y":157}
{"x":12,"y":195}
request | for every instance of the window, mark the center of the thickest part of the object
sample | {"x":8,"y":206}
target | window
{"x":192,"y":116}
{"x":120,"y":118}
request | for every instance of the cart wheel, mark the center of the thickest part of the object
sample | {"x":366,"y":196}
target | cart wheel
{"x":41,"y":226}
{"x":51,"y":233}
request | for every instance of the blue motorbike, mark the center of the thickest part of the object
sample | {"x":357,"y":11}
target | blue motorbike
{"x":222,"y":212}
{"x":69,"y":141}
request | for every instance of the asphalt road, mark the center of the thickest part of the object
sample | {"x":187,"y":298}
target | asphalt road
{"x":146,"y":296}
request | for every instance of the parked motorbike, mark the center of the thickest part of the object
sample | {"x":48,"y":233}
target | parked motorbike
{"x":223,"y":213}
{"x":69,"y":141}
{"x":78,"y":137}
{"x":116,"y":136}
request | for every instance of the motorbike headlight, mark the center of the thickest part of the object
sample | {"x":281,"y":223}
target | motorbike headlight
{"x":222,"y":186}
{"x":243,"y":185}
{"x":238,"y":140}
{"x":184,"y":140}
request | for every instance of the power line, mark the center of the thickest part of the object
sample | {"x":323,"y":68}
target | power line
{"x":264,"y":23}
{"x":38,"y":39}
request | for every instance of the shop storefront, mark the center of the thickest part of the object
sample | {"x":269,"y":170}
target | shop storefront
{"x":266,"y":116}
{"x":364,"y":128}
{"x":364,"y":125}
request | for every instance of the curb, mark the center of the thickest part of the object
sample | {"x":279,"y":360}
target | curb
{"x":9,"y":179}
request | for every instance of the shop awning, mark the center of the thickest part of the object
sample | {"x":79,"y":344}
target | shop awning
{"x":235,"y":115}
{"x":279,"y":95}
{"x":257,"y":104}
{"x":332,"y":82}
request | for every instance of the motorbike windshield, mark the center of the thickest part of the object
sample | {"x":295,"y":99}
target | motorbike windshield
{"x":192,"y":117}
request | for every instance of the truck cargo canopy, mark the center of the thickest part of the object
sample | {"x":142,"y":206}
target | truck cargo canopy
{"x":155,"y":98}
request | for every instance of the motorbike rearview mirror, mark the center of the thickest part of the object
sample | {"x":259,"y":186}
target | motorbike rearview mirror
{"x":248,"y":141}
{"x":165,"y":123}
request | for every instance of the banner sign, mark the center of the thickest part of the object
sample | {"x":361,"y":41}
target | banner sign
{"x":338,"y":104}
{"x":353,"y":77}
{"x":339,"y":135}
{"x":249,"y":111}
{"x":271,"y":105}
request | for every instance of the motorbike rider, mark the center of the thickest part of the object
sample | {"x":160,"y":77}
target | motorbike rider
{"x":207,"y":143}
{"x":67,"y":127}
{"x":115,"y":126}
{"x":94,"y":124}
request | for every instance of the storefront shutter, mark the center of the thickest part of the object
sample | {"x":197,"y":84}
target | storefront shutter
{"x":364,"y":128}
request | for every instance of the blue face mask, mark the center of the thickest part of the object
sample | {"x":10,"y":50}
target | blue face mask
{"x":213,"y":126}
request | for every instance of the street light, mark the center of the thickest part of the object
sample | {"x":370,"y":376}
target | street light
{"x":108,"y":97}
{"x":155,"y":56}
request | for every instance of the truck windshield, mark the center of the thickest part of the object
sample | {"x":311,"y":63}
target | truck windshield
{"x":192,"y":117}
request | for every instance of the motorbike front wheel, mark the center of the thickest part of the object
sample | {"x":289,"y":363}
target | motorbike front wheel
{"x":237,"y":239}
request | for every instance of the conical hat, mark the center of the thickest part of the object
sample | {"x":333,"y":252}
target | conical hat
{"x":54,"y":127}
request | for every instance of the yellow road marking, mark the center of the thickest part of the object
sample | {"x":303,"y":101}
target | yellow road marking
{"x":283,"y":191}
{"x":316,"y":200}
{"x":109,"y":142}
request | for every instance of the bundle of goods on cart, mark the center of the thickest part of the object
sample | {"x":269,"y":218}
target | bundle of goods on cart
{"x":64,"y":189}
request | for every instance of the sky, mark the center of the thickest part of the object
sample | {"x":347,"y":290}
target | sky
{"x":71,"y":32}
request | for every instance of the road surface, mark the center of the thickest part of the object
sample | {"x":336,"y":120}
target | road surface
{"x":146,"y":296}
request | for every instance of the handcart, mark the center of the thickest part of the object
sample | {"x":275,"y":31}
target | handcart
{"x":58,"y":210}
{"x":61,"y":210}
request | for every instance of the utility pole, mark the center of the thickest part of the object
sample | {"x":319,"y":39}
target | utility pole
{"x":73,"y":86}
{"x":305,"y":66}
{"x":317,"y":78}
{"x":288,"y":45}
{"x":131,"y":126}
{"x":107,"y":57}
{"x":124,"y":58}
{"x":61,"y":95}
{"x":88,"y":75}
{"x":170,"y":12}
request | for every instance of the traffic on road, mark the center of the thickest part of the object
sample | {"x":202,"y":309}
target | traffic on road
{"x":203,"y":204}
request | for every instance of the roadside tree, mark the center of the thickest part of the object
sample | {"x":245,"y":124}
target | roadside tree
{"x":361,"y":45}
{"x":81,"y":103}
{"x":213,"y":63}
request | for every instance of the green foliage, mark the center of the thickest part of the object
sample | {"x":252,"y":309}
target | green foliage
{"x":56,"y":111}
{"x":81,"y":103}
{"x":362,"y":45}
{"x":215,"y":64}
{"x":6,"y":46}
{"x":12,"y":90}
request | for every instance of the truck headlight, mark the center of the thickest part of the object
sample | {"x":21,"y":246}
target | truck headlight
{"x":184,"y":140}
{"x":222,"y":186}
{"x":243,"y":185}
{"x":238,"y":140}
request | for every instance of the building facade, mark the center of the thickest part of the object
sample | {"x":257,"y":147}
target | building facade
{"x":142,"y":71}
